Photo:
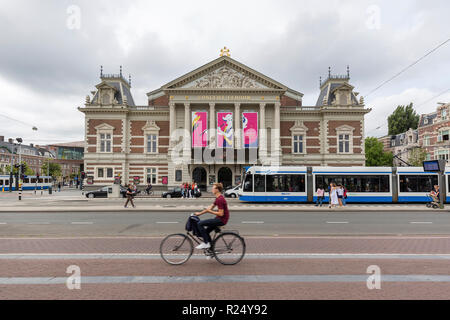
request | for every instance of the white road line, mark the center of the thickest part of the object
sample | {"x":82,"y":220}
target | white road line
{"x":167,"y":222}
{"x":3,"y":223}
{"x":336,"y":222}
{"x":82,"y":222}
{"x":257,"y":222}
{"x":421,"y":222}
{"x":38,"y":223}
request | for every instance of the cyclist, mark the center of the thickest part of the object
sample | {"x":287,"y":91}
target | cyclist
{"x":222,"y":215}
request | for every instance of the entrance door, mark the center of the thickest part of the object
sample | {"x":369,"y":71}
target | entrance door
{"x":225,"y":176}
{"x":199,"y":177}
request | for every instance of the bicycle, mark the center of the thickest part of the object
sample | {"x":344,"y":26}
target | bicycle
{"x":227,"y":247}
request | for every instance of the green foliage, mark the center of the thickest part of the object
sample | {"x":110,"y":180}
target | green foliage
{"x":27,"y":170}
{"x":402,"y":119}
{"x":54,"y":169}
{"x":375,"y":156}
{"x":417,"y":157}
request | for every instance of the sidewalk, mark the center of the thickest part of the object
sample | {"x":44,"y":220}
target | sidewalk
{"x":169,"y":205}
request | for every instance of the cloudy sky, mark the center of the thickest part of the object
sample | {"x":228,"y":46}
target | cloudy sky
{"x":51,"y":52}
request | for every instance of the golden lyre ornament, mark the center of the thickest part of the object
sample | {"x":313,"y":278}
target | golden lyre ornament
{"x":225,"y":52}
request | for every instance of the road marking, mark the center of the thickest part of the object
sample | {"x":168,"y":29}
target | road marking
{"x":167,"y":222}
{"x":421,"y":222}
{"x":3,"y":223}
{"x":38,"y":223}
{"x":337,"y":222}
{"x":257,"y":222}
{"x":82,"y":222}
{"x":225,"y":279}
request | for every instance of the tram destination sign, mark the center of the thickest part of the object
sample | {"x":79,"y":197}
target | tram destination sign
{"x":434,"y":166}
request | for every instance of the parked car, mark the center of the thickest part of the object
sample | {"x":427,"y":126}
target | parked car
{"x":232,"y":192}
{"x":103,"y":193}
{"x":176,"y":193}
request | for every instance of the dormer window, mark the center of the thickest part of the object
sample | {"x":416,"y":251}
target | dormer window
{"x":106,"y":99}
{"x":425,"y":121}
{"x":444,"y":114}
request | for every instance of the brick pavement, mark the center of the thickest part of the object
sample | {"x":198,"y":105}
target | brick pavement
{"x":382,"y":244}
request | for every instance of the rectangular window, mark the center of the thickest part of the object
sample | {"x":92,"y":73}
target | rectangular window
{"x":354,"y":183}
{"x":100,"y":172}
{"x":105,"y":142}
{"x":151,"y":143}
{"x":344,"y":143}
{"x":109,"y":172}
{"x":444,"y":114}
{"x":298,"y":144}
{"x":260,"y":183}
{"x":151,"y":175}
{"x":417,"y":183}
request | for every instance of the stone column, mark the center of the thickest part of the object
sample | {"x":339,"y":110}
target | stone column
{"x":212,"y":125}
{"x":187,"y":127}
{"x":276,"y":132}
{"x":262,"y":132}
{"x":172,"y":125}
{"x":237,"y":125}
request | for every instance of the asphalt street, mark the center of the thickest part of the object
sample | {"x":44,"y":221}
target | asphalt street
{"x":247,"y":223}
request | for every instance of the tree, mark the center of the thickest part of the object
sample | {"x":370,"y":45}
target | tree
{"x":375,"y":156}
{"x":54,"y":169}
{"x":26,"y":170}
{"x":402,"y":119}
{"x":417,"y":156}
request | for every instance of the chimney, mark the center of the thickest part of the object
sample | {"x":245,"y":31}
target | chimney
{"x":10,"y":140}
{"x":31,"y":145}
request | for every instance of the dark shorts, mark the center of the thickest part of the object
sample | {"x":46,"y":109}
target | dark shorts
{"x":339,"y":197}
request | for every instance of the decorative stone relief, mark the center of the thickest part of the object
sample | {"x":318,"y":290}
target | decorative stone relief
{"x":226,"y":78}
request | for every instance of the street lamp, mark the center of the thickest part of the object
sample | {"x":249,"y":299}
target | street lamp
{"x":19,"y":140}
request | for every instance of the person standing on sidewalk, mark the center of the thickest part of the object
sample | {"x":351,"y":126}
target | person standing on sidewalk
{"x":344,"y":198}
{"x":333,"y":195}
{"x":320,"y":196}
{"x":129,"y":194}
{"x":59,"y":186}
{"x":340,"y":194}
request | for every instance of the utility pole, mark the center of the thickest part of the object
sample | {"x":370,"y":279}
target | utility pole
{"x":19,"y":140}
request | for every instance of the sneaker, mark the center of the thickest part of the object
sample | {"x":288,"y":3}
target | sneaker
{"x":124,"y":206}
{"x":203,"y":246}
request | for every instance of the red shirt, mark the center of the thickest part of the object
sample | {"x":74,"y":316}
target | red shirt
{"x":221,"y":203}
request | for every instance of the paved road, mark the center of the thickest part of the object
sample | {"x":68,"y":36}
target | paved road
{"x":274,"y":268}
{"x":248,"y":223}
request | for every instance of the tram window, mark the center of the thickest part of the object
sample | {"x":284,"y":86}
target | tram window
{"x":1,"y":182}
{"x":40,"y":180}
{"x":260,"y":183}
{"x":422,"y":183}
{"x":45,"y":180}
{"x":33,"y":180}
{"x":298,"y":183}
{"x":248,"y":183}
{"x":26,"y":180}
{"x":356,"y":183}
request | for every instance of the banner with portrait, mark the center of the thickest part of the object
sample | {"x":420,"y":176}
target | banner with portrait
{"x":225,"y":130}
{"x":250,"y":129}
{"x":199,"y":129}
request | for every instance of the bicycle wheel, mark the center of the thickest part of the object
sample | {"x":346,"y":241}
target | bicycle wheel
{"x":229,"y":248}
{"x":176,"y":248}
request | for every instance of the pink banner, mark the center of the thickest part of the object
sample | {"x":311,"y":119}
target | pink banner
{"x":250,"y":128}
{"x":199,"y":129}
{"x":225,"y":130}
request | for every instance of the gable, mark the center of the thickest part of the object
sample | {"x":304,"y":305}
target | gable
{"x":224,"y":73}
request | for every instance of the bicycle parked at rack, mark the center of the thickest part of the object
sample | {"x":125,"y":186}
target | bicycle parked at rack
{"x":227,"y":247}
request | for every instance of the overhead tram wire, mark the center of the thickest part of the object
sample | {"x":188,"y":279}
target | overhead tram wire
{"x":27,"y":124}
{"x":411,"y":65}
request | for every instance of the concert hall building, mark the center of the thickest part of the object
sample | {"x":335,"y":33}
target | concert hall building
{"x":209,"y":124}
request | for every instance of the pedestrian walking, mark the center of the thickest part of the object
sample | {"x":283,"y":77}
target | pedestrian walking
{"x":59,"y":186}
{"x":129,"y":194}
{"x":340,"y":194}
{"x":329,"y":194}
{"x":333,"y":195}
{"x":344,"y":198}
{"x":320,"y":196}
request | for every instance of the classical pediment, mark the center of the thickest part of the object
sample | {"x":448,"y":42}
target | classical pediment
{"x":150,"y":126}
{"x":224,"y":73}
{"x":299,"y":127}
{"x":104,"y":127}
